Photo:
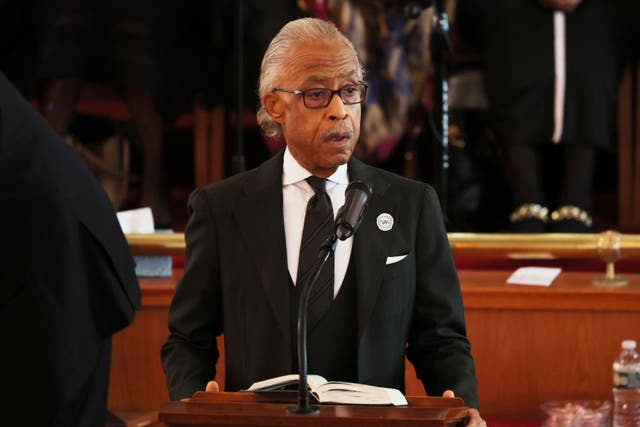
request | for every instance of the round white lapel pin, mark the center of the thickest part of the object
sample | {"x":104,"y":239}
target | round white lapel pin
{"x":384,"y":222}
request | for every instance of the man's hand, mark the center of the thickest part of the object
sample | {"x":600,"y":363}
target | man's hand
{"x":475,"y":420}
{"x":212,"y":387}
{"x":563,"y":5}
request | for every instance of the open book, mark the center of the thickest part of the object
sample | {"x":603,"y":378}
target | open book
{"x":336,"y":391}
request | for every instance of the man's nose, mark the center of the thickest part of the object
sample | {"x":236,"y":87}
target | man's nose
{"x":336,"y":108}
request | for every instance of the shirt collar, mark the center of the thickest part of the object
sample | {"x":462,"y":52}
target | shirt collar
{"x":292,"y":172}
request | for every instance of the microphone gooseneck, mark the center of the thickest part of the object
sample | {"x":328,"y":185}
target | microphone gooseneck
{"x":347,"y":222}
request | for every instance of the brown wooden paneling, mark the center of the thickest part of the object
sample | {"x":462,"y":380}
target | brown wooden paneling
{"x":527,"y":357}
{"x":209,"y":146}
{"x":137,"y":383}
{"x":534,"y":344}
{"x":569,"y":291}
{"x":531,"y":344}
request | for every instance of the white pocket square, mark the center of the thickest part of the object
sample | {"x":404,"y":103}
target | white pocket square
{"x":394,"y":259}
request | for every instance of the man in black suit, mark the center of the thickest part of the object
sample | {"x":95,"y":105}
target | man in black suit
{"x":67,"y":280}
{"x":395,"y":288}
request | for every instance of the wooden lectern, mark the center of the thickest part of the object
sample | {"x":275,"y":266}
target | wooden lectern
{"x":270,"y":409}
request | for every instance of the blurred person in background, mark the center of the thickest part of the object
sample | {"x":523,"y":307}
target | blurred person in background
{"x":551,"y":71}
{"x":125,"y":46}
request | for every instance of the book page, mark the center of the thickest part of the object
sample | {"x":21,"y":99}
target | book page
{"x":335,"y":391}
{"x":358,"y":394}
{"x":284,"y":380}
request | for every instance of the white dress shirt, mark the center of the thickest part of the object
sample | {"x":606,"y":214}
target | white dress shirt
{"x":296,"y":193}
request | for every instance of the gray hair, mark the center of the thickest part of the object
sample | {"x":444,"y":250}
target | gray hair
{"x":295,"y":33}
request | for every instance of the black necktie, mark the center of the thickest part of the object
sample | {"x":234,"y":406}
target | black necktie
{"x":318,"y":225}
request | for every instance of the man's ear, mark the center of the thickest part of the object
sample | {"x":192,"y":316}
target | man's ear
{"x":274,"y":106}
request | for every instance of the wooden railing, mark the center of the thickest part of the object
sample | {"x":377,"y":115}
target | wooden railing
{"x":545,"y":245}
{"x":492,"y":245}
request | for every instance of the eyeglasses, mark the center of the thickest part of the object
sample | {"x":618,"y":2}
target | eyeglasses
{"x":321,"y":97}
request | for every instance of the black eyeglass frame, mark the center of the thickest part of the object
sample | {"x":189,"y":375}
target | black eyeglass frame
{"x":331,"y":93}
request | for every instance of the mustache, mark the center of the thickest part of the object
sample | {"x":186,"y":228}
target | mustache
{"x":336,"y":132}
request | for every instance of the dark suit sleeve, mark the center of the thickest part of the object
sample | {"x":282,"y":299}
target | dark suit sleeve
{"x":437,"y":345}
{"x":58,"y":313}
{"x":195,"y":317}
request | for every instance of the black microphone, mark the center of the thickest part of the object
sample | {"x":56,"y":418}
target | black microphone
{"x":347,"y":222}
{"x":350,"y":214}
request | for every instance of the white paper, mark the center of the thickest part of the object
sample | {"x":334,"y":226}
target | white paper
{"x":536,"y":276}
{"x":136,"y":221}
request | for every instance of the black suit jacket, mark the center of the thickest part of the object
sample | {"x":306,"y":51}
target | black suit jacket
{"x":67,"y":279}
{"x":236,"y":282}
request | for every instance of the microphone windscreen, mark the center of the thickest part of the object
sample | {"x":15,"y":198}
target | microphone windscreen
{"x":350,"y":214}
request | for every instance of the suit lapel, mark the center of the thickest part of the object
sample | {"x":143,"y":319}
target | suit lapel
{"x":369,"y":245}
{"x":259,"y":214}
